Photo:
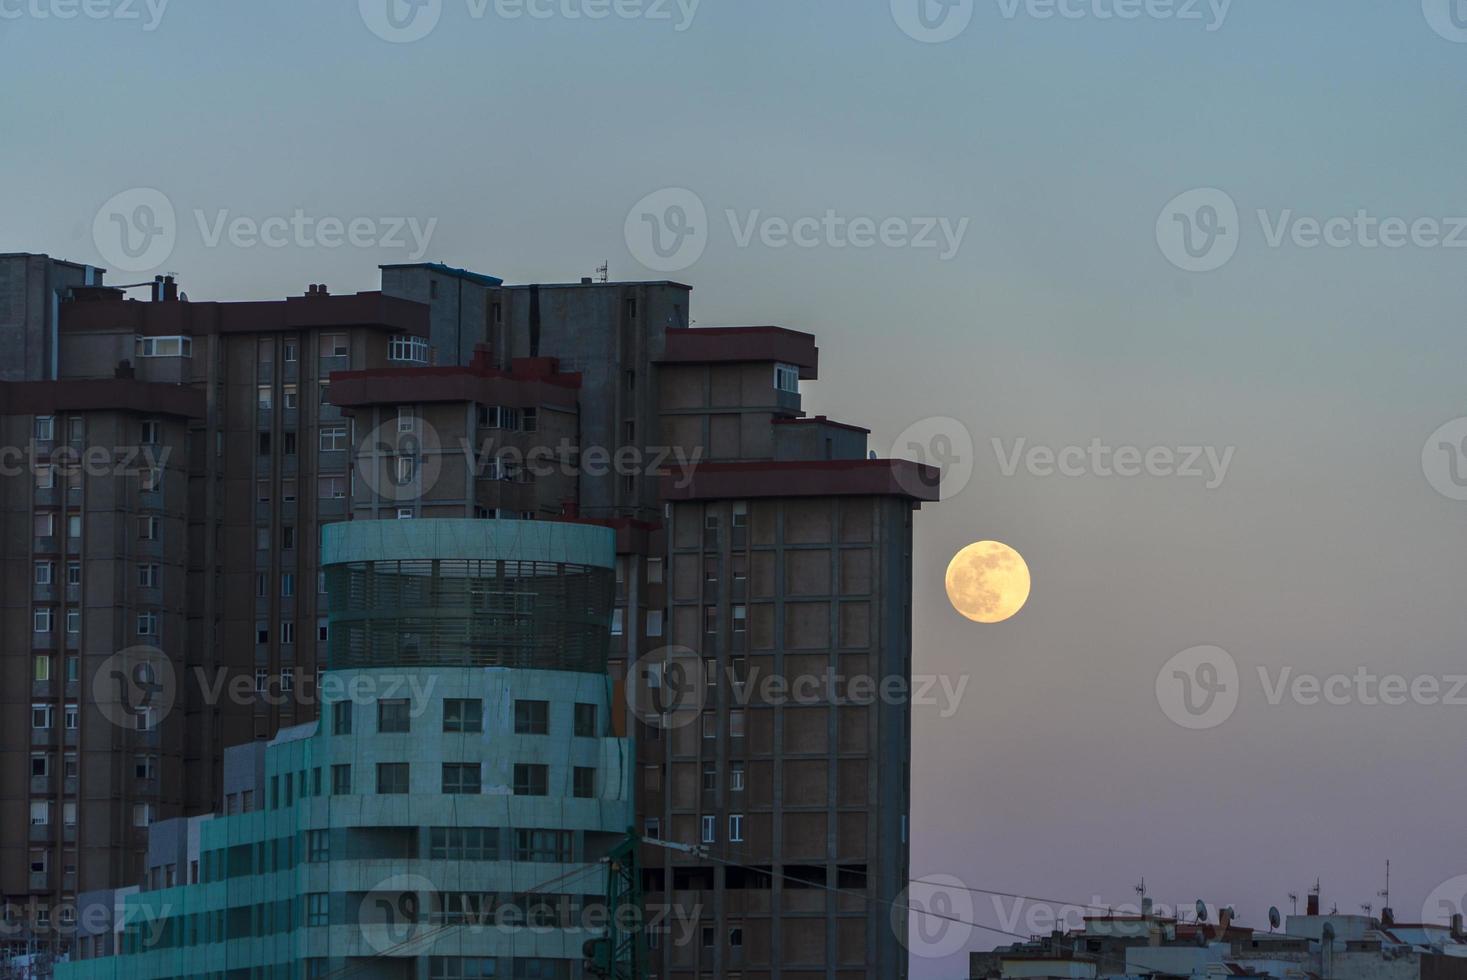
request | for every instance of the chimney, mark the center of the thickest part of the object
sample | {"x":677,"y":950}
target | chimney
{"x":157,"y":289}
{"x":170,"y":289}
{"x":1312,"y":907}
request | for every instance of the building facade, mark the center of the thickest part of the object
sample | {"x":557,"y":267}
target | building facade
{"x":751,"y":541}
{"x":447,"y":816}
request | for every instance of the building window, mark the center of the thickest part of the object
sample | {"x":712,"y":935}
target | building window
{"x":287,"y":680}
{"x":710,"y":829}
{"x":394,"y":716}
{"x":40,"y":813}
{"x":73,"y":621}
{"x":331,"y":487}
{"x":318,"y":909}
{"x":148,"y":528}
{"x":736,"y":777}
{"x":290,"y":395}
{"x":290,"y":352}
{"x":42,"y":716}
{"x":45,"y":428}
{"x":463,"y":715}
{"x":73,"y":526}
{"x":142,"y":814}
{"x":652,"y":828}
{"x":73,"y":573}
{"x":736,"y":828}
{"x":618,"y":622}
{"x":461,"y":778}
{"x":265,"y":398}
{"x":71,"y":717}
{"x":41,"y":670}
{"x":585,"y":721}
{"x":40,"y":764}
{"x":584,"y":783}
{"x":318,"y":846}
{"x":532,"y":717}
{"x":147,"y":624}
{"x":164,"y":347}
{"x":333,"y":345}
{"x":412,"y":349}
{"x":392,"y":778}
{"x":262,"y":680}
{"x":736,"y":723}
{"x":787,"y":378}
{"x":543,"y":846}
{"x":464,"y":843}
{"x":341,"y":780}
{"x":43,"y":620}
{"x":654,"y":622}
{"x":45,"y":477}
{"x":287,"y":632}
{"x":333,"y":438}
{"x":531,"y":779}
{"x":341,"y":713}
{"x":147,"y":576}
{"x":287,"y":584}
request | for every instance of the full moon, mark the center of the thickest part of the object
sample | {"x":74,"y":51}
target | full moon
{"x":988,"y":582}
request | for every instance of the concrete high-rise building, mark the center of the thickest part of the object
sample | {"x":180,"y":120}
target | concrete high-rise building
{"x":751,"y":541}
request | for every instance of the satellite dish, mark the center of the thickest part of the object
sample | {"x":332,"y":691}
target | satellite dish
{"x":1201,"y":910}
{"x":1273,"y":917}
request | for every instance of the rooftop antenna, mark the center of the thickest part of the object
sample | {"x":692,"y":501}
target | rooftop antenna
{"x":603,"y":271}
{"x":1140,"y":889}
{"x":1386,"y":892}
{"x":1294,"y":903}
{"x":1367,"y":908}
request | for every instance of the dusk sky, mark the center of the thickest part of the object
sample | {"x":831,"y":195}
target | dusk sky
{"x":1057,"y":306}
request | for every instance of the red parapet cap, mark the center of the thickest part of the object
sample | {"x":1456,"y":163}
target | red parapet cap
{"x":529,"y":382}
{"x":804,"y":478}
{"x":371,"y":310}
{"x":101,"y":395}
{"x":733,"y":345}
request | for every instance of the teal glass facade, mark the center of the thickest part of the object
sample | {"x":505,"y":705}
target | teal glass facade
{"x":446,"y":815}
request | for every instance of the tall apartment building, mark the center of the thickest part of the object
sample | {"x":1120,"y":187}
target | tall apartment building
{"x":750,"y":540}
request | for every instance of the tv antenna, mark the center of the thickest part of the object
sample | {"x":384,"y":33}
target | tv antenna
{"x":1140,"y":889}
{"x":1385,"y":893}
{"x":603,"y":272}
{"x":1294,"y":903}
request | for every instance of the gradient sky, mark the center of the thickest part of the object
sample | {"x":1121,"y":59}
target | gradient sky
{"x":1059,"y":321}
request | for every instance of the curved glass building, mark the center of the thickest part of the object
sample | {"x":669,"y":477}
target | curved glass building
{"x":447,"y":816}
